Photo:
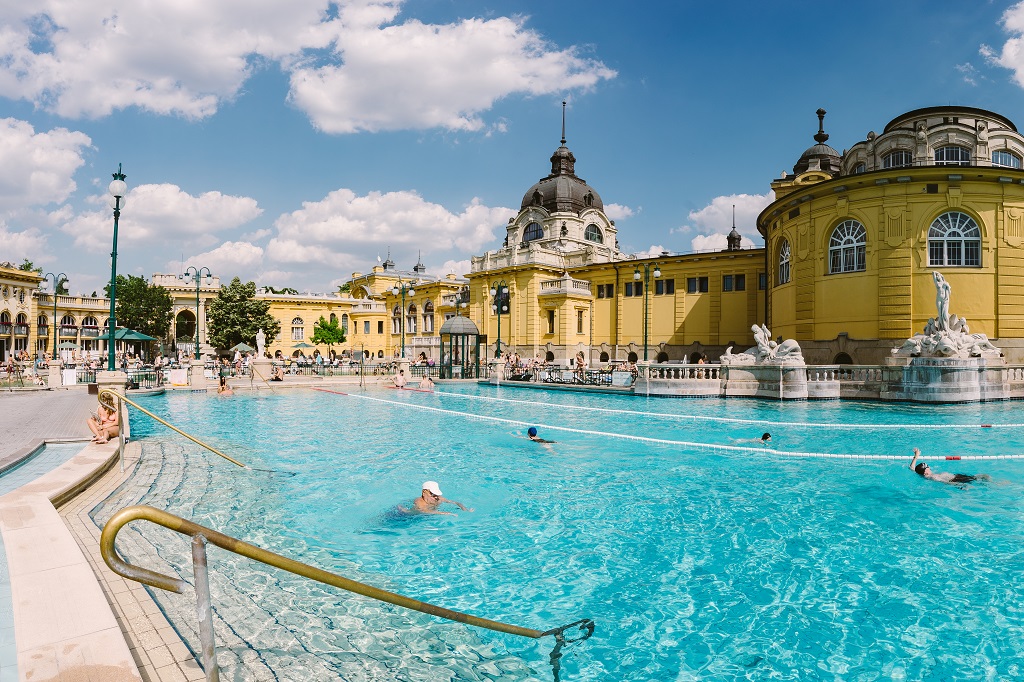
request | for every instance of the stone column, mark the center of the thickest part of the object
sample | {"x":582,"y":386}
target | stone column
{"x":196,"y":379}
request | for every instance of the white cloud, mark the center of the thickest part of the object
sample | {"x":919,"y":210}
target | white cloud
{"x":618,"y":211}
{"x":28,"y":243}
{"x":228,"y":260}
{"x":353,"y":70}
{"x":415,"y":75}
{"x":714,"y":221}
{"x":37,"y":168}
{"x":91,"y":57}
{"x":256,"y":235}
{"x":161,"y":214}
{"x":1011,"y":56}
{"x":345,"y":229}
{"x":459,"y":267}
{"x":968,"y":73}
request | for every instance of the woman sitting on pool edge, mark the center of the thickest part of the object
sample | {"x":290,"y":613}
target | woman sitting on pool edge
{"x":925,"y":471}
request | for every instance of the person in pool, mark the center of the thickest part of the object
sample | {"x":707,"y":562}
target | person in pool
{"x":426,"y":384}
{"x":763,"y":440}
{"x":430,"y":499}
{"x":531,"y":433}
{"x":942,"y":477}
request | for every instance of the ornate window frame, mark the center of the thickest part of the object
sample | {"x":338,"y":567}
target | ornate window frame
{"x":954,"y":240}
{"x":847,"y":248}
{"x":785,"y":256}
{"x":898,"y":158}
{"x":594,"y":234}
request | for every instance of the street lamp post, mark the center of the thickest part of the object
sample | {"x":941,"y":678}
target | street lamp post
{"x":117,"y":189}
{"x":403,"y":287}
{"x":461,"y":299}
{"x":649,"y":269}
{"x":56,"y":285}
{"x":197,"y":273}
{"x":499,"y":290}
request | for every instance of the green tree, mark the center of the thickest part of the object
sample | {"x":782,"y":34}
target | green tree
{"x":142,"y":306}
{"x":345,"y":288}
{"x":283,"y":290}
{"x":328,"y":332}
{"x":236,"y":315}
{"x":29,"y":266}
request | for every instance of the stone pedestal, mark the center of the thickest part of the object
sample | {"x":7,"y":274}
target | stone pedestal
{"x":944,"y":380}
{"x":779,"y":382}
{"x":54,"y":379}
{"x":495,"y":372}
{"x":196,"y":378}
{"x":262,"y":368}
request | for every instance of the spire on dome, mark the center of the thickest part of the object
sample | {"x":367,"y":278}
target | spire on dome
{"x":821,"y":137}
{"x":734,"y":239}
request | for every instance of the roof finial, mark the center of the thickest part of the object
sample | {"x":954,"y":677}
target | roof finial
{"x":563,"y":121}
{"x":734,"y":216}
{"x":821,"y":136}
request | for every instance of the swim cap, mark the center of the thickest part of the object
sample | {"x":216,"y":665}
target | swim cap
{"x":766,"y":436}
{"x":532,"y":431}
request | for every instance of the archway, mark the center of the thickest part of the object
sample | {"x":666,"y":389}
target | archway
{"x":632,"y":357}
{"x":842,"y":359}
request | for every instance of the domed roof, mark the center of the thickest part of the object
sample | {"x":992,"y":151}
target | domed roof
{"x":828,"y":157}
{"x":459,"y":325}
{"x":562,"y":190}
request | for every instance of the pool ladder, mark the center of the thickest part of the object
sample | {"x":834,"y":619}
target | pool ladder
{"x":581,"y":629}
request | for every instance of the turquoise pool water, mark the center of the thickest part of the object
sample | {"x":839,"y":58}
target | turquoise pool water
{"x":695,"y":562}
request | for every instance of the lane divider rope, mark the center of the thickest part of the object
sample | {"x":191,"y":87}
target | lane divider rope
{"x":732,"y":420}
{"x":662,"y":441}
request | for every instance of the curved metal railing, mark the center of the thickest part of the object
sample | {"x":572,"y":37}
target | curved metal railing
{"x":201,"y":535}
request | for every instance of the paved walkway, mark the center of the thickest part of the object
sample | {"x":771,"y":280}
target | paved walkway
{"x":26,"y":417}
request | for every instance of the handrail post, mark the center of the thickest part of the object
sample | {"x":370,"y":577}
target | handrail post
{"x":204,"y":608}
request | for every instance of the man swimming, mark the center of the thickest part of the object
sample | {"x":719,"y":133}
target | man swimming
{"x":531,"y":433}
{"x":942,"y":477}
{"x":430,"y":499}
{"x":763,"y":440}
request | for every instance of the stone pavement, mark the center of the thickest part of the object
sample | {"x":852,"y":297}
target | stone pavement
{"x":27,"y":417}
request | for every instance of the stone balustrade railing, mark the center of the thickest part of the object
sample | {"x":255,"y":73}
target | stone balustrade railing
{"x":687,"y":372}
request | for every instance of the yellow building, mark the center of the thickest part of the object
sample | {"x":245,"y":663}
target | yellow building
{"x":570,"y":289}
{"x":853,"y":238}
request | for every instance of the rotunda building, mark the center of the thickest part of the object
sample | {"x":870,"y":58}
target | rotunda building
{"x":852,"y":239}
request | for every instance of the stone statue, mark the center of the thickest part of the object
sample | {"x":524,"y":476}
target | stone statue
{"x":767,"y":352}
{"x":945,"y":335}
{"x":261,"y":341}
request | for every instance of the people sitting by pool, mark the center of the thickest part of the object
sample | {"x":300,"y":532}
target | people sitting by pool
{"x":400,"y":379}
{"x":430,"y":499}
{"x":224,"y":388}
{"x":531,"y":433}
{"x":426,"y":384}
{"x":277,"y":374}
{"x":763,"y":440}
{"x":943,"y":477}
{"x":103,"y":424}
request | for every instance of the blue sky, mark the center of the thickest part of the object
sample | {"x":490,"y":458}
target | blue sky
{"x":292,"y":143}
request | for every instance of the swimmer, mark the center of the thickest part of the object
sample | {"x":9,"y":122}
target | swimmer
{"x":400,"y":380}
{"x":763,"y":440}
{"x":925,"y":471}
{"x":224,"y":388}
{"x":430,"y":499}
{"x":531,"y":433}
{"x":426,"y":384}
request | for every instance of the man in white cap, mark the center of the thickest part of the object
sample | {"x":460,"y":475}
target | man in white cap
{"x":430,"y":499}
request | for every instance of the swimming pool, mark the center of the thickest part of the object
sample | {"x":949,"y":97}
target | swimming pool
{"x":695,"y":562}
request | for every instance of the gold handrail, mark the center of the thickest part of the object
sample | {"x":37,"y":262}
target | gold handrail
{"x":112,"y":392}
{"x":252,"y":368}
{"x":178,"y":524}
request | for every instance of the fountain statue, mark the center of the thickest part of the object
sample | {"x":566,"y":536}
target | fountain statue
{"x":261,"y":341}
{"x":766,"y":352}
{"x":946,"y":336}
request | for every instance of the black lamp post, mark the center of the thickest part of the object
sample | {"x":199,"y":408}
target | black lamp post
{"x":403,"y":287}
{"x":56,"y":285}
{"x":499,"y":290}
{"x":197,"y":273}
{"x":461,"y":299}
{"x":649,"y":269}
{"x":117,"y":189}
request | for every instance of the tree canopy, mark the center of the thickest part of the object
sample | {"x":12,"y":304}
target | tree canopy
{"x":328,"y":332}
{"x":142,"y":306}
{"x":236,"y":315}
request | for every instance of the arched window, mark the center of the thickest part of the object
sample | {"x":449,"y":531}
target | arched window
{"x":549,"y":357}
{"x":593,"y":234}
{"x":21,"y":319}
{"x":783,"y":263}
{"x":662,"y":357}
{"x":428,"y":317}
{"x":410,"y":319}
{"x":67,"y":320}
{"x":631,"y":357}
{"x":604,"y":357}
{"x":90,"y":322}
{"x":588,"y":200}
{"x":954,"y":239}
{"x":533,"y":231}
{"x":334,"y":318}
{"x":846,"y":249}
{"x":1006,"y":159}
{"x":298,"y":331}
{"x":897,"y":159}
{"x":344,"y":320}
{"x":396,"y":320}
{"x":860,"y":168}
{"x":842,"y":359}
{"x":43,"y":321}
{"x":951,"y":155}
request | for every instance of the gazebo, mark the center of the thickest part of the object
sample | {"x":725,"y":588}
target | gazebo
{"x":460,"y":349}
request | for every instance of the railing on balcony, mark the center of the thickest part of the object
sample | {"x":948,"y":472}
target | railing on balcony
{"x":673,"y":371}
{"x":21,"y":330}
{"x":90,"y":332}
{"x":43,"y":330}
{"x":68,"y":330}
{"x":5,"y":329}
{"x":565,"y":285}
{"x":369,"y":307}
